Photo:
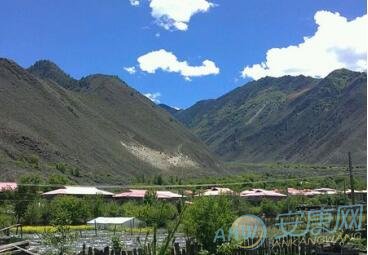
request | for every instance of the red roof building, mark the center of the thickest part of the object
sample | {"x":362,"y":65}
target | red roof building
{"x":8,"y":186}
{"x":140,"y":193}
{"x":259,"y":194}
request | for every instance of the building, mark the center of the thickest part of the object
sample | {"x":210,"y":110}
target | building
{"x":139,"y":194}
{"x":326,"y":191}
{"x":303,"y":192}
{"x":8,"y":186}
{"x":360,"y":195}
{"x":311,"y":192}
{"x":259,"y":194}
{"x":216,"y":191}
{"x":78,"y":191}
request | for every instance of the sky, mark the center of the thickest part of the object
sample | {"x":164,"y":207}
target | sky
{"x":178,"y":52}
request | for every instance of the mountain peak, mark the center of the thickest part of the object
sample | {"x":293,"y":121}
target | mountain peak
{"x":46,"y":69}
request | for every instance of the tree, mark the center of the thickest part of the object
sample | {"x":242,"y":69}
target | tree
{"x":73,"y":209}
{"x":37,"y":213}
{"x":27,"y":191}
{"x":154,"y":213}
{"x":62,"y":237}
{"x":205,"y":216}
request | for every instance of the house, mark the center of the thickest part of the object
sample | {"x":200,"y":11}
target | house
{"x":360,"y":195}
{"x":303,"y":192}
{"x":311,"y":193}
{"x":8,"y":186}
{"x":259,"y":194}
{"x":326,"y":191}
{"x":216,"y":191}
{"x":137,"y":194}
{"x":78,"y":191}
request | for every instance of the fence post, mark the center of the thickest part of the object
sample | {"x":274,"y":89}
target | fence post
{"x":106,"y":250}
{"x":176,"y":249}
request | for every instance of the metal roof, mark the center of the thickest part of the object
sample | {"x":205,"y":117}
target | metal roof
{"x":260,"y":193}
{"x":140,"y":193}
{"x":78,"y":190}
{"x":112,"y":220}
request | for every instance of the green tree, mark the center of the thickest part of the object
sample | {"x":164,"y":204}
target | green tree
{"x":37,"y":213}
{"x":62,"y":237}
{"x":205,"y":216}
{"x":27,"y":191}
{"x":72,"y":209}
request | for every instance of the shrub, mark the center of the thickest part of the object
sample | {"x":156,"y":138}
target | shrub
{"x":205,"y":216}
{"x":73,"y":209}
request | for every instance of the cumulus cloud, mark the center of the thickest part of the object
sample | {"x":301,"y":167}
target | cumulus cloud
{"x":168,"y":62}
{"x":154,"y":97}
{"x":176,"y":14}
{"x":134,"y":2}
{"x":337,"y":43}
{"x":130,"y":69}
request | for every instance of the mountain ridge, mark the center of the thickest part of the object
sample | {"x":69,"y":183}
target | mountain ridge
{"x":103,"y":128}
{"x":289,"y":119}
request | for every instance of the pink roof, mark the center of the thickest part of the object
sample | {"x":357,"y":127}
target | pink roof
{"x":260,"y":193}
{"x":293,"y":191}
{"x":5,"y":186}
{"x":304,"y":192}
{"x":140,"y":193}
{"x":133,"y":193}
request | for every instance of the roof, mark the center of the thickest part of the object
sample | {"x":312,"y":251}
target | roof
{"x":140,"y":193}
{"x":216,"y":191}
{"x":111,"y":220}
{"x":75,"y":190}
{"x":260,"y":193}
{"x":6,"y":186}
{"x":326,"y":191}
{"x":357,"y":191}
{"x":313,"y":192}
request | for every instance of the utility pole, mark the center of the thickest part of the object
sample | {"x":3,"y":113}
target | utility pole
{"x":351,"y":179}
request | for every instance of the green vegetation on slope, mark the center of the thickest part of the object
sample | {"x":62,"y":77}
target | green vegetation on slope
{"x":287,"y":119}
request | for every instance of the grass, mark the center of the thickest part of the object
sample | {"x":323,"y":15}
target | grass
{"x":48,"y":229}
{"x":43,"y":229}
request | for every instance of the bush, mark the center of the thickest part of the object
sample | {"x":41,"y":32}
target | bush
{"x":37,"y":213}
{"x":72,"y":209}
{"x":205,"y":216}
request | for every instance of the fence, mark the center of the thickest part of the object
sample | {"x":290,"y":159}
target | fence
{"x":285,"y":246}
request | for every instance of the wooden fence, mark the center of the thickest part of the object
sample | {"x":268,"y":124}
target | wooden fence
{"x":286,"y":246}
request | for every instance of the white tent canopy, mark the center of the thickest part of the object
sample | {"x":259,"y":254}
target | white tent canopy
{"x":123,"y":221}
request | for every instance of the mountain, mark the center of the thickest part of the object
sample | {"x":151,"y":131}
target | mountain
{"x":97,"y":129}
{"x":286,"y":119}
{"x":169,"y":109}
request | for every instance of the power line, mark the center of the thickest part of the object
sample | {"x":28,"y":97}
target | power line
{"x":107,"y":186}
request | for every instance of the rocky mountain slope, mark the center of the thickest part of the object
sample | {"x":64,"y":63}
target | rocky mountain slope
{"x":286,"y":119}
{"x":97,"y":129}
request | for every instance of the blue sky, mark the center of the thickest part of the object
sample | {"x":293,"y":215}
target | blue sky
{"x":86,"y":37}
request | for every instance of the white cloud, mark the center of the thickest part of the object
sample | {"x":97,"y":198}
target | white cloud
{"x":176,"y":14}
{"x":134,"y":2}
{"x":337,"y":43}
{"x":130,"y":70}
{"x":154,"y":97}
{"x":168,"y":62}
